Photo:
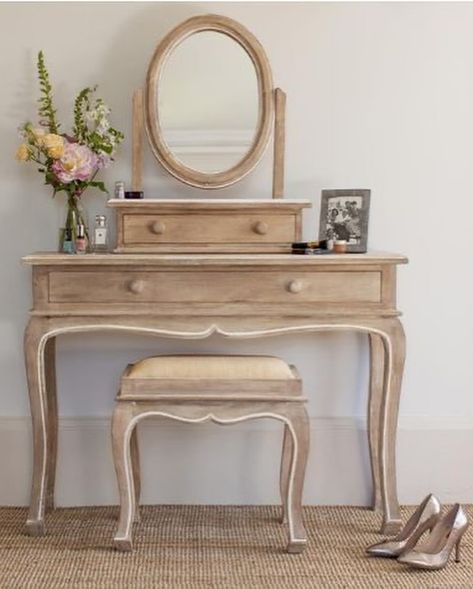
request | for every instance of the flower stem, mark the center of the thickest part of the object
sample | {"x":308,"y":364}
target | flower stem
{"x":75,"y":217}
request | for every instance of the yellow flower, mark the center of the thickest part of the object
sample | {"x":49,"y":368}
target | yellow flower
{"x":54,"y":145}
{"x":52,"y":140}
{"x":23,"y":153}
{"x":56,"y":152}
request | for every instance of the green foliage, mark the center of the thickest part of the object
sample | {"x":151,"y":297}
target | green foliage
{"x":46,"y":110}
{"x":99,"y":185}
{"x":81,"y":106}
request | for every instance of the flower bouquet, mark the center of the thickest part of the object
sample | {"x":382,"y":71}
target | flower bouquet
{"x":70,"y":162}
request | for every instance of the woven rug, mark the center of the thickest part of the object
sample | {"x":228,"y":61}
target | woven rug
{"x":193,"y":547}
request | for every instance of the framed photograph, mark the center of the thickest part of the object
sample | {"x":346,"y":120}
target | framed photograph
{"x":344,"y":214}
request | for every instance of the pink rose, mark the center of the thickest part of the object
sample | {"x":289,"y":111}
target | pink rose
{"x":78,"y":162}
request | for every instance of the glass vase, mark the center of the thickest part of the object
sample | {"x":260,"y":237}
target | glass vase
{"x":75,"y":214}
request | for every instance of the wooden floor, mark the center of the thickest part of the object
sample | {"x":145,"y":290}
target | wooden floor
{"x":193,"y":547}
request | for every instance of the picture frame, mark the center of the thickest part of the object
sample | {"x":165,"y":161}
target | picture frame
{"x":344,"y":214}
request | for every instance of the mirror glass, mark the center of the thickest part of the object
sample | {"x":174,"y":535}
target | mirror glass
{"x":208,"y":102}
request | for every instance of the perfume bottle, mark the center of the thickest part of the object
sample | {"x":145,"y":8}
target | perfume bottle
{"x":81,"y":240}
{"x":119,"y":189}
{"x":68,"y":244}
{"x":100,"y":234}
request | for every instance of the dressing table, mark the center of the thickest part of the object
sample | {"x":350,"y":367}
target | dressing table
{"x":173,"y":278}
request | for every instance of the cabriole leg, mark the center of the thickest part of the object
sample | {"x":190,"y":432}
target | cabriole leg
{"x":395,"y":349}
{"x":51,"y":393}
{"x":40,"y":415}
{"x":122,"y":416}
{"x":299,"y":428}
{"x":374,"y":412}
{"x":135,"y":463}
{"x":287,"y":450}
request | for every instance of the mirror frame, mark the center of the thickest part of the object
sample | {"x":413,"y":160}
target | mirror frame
{"x":256,"y":53}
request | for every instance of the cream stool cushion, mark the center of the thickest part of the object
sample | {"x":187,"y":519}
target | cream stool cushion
{"x":219,"y":377}
{"x":221,"y":367}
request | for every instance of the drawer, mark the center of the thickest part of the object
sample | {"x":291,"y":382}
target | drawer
{"x":208,"y":225}
{"x":204,"y":229}
{"x":265,"y":286}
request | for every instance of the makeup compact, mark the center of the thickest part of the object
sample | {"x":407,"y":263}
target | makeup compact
{"x":134,"y":194}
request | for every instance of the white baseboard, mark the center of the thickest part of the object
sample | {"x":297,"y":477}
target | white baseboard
{"x":208,"y":464}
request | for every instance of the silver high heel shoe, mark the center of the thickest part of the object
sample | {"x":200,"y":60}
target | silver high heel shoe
{"x":435,"y":552}
{"x":424,"y":518}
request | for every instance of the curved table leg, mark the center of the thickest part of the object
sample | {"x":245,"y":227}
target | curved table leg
{"x":122,"y":459}
{"x":300,"y":433}
{"x":374,"y":413}
{"x":135,"y":465}
{"x":35,"y":372}
{"x":51,"y":393}
{"x":395,"y":348}
{"x":286,"y":457}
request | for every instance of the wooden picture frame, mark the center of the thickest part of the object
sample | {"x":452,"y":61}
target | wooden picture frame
{"x":344,"y":214}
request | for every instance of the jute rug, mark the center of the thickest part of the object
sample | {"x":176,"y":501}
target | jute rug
{"x":193,"y":547}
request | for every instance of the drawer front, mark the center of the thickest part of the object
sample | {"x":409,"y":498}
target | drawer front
{"x":208,"y":229}
{"x":215,"y":287}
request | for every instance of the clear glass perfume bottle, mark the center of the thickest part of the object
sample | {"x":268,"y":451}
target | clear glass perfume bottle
{"x":100,"y":234}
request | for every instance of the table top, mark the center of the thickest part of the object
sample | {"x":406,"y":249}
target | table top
{"x":152,"y":259}
{"x":210,"y":203}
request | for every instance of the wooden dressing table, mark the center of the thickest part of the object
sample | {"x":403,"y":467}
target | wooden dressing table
{"x":236,"y":295}
{"x":191,"y":268}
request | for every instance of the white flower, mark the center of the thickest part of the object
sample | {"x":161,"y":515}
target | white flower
{"x":90,"y":117}
{"x":103,"y":126}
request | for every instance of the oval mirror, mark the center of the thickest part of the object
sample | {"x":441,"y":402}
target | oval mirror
{"x":208,"y":102}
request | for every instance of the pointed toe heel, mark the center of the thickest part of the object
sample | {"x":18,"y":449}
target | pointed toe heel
{"x":424,"y":518}
{"x":446,"y":535}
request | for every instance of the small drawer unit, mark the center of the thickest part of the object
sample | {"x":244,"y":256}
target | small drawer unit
{"x":208,"y":226}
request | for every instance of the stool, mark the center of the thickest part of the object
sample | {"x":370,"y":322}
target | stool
{"x":225,"y":390}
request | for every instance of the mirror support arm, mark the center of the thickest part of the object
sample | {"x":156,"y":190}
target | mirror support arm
{"x":279,"y":142}
{"x":137,"y":142}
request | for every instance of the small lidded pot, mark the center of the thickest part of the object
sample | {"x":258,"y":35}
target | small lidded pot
{"x":340,"y":246}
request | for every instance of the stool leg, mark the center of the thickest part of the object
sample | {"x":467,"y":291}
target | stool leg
{"x":287,"y":449}
{"x":299,"y":427}
{"x":135,"y":465}
{"x":123,"y":468}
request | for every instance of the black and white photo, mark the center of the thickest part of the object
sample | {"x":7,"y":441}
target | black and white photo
{"x":344,"y":215}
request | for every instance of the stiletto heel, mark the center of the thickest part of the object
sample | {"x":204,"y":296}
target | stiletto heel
{"x":446,"y":535}
{"x":424,"y":518}
{"x":457,"y":551}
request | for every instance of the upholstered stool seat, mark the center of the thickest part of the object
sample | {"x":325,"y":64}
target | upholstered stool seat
{"x":223,"y":389}
{"x":225,"y":367}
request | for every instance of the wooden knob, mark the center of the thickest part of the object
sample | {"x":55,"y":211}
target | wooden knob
{"x":136,"y":286}
{"x":260,"y":227}
{"x":294,"y":286}
{"x":157,"y":227}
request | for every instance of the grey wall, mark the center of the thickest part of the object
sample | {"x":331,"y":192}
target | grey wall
{"x":380,"y":96}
